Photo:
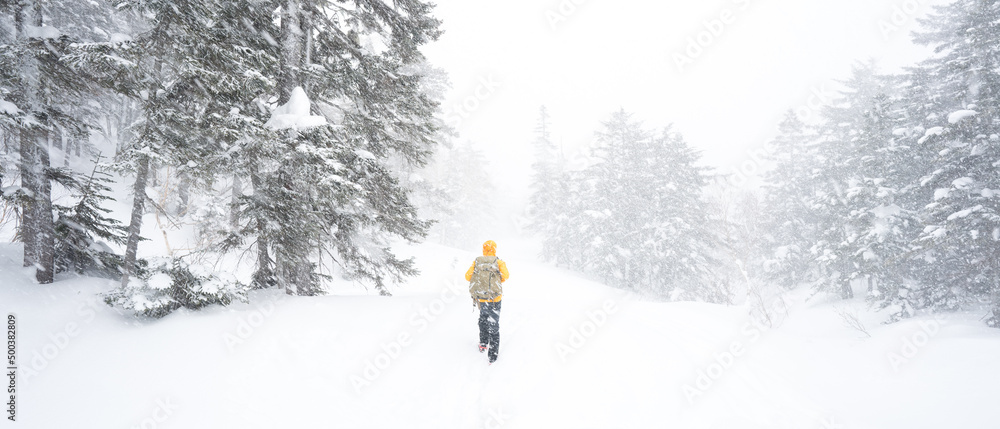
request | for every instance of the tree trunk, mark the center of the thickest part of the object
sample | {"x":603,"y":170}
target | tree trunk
{"x":264,"y":277}
{"x":46,"y":232}
{"x":846,"y":291}
{"x":29,"y":182}
{"x":68,"y":149}
{"x":292,"y":47}
{"x":184,"y":182}
{"x":135,"y":226}
{"x":234,"y":204}
{"x":293,"y":267}
{"x":995,"y":320}
{"x":27,"y":14}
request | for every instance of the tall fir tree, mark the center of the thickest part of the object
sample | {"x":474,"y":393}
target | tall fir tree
{"x":44,"y":100}
{"x":549,"y":186}
{"x":85,"y":229}
{"x":357,"y":64}
{"x":862,"y":226}
{"x":327,"y":190}
{"x":788,"y":184}
{"x":961,"y":238}
{"x":643,"y":225}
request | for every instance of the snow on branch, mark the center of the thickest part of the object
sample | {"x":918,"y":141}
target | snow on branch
{"x":295,"y":113}
{"x":956,"y":117}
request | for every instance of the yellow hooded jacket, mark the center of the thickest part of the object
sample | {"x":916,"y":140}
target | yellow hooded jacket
{"x":490,"y":249}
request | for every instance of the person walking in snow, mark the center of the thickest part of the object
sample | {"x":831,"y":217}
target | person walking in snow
{"x":486,"y":277}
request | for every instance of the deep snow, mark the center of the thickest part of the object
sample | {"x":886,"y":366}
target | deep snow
{"x":574,"y":354}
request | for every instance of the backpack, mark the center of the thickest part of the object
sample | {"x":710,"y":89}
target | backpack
{"x":485,"y":284}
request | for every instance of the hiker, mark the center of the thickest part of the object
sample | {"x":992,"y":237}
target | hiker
{"x":486,"y":276}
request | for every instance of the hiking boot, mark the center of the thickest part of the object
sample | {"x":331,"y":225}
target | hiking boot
{"x":482,"y":348}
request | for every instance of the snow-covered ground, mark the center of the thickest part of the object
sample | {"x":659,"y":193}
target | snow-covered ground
{"x":574,"y":354}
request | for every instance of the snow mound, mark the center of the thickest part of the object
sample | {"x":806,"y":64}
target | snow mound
{"x":160,"y":281}
{"x":295,"y":113}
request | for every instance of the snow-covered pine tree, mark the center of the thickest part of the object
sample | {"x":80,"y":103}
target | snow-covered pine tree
{"x":153,"y":61}
{"x":912,"y":161}
{"x":681,"y":250}
{"x":168,"y":284}
{"x":569,"y":213}
{"x":863,"y":229}
{"x":646,"y":224}
{"x":330,"y":189}
{"x":42,"y":99}
{"x":547,"y":203}
{"x":173,"y":63}
{"x":544,"y":171}
{"x":614,"y":218}
{"x":571,"y":220}
{"x":84,"y":229}
{"x":788,"y":188}
{"x":962,"y":217}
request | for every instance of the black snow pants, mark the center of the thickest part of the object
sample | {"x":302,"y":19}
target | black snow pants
{"x":489,"y":327}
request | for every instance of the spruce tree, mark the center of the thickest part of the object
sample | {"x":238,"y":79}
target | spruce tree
{"x":330,"y":189}
{"x":43,"y":99}
{"x":790,"y":227}
{"x":960,"y":215}
{"x":862,"y":227}
{"x":645,"y":226}
{"x":84,"y":230}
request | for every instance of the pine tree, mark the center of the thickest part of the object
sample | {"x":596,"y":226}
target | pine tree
{"x":961,"y":218}
{"x":330,"y":189}
{"x":862,"y":227}
{"x":645,"y":226}
{"x":190,"y":86}
{"x":549,"y":187}
{"x":83,"y":229}
{"x":546,"y":167}
{"x":42,"y":98}
{"x":790,"y":226}
{"x":571,"y":221}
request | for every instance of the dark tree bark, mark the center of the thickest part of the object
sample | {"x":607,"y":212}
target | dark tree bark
{"x":29,"y":182}
{"x":292,"y":46}
{"x":183,"y":192}
{"x":293,"y":267}
{"x":234,"y":204}
{"x":264,"y":277}
{"x":846,"y":291}
{"x":135,"y":226}
{"x":37,"y":227}
{"x":46,"y":232}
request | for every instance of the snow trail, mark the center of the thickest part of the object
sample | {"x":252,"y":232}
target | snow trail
{"x":573,"y":354}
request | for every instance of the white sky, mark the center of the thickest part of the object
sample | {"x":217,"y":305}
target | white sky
{"x":584,"y":59}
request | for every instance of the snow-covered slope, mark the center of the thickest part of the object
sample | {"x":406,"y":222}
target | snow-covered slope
{"x":574,"y":354}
